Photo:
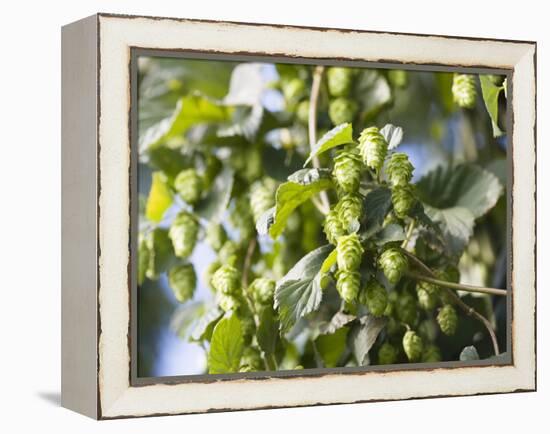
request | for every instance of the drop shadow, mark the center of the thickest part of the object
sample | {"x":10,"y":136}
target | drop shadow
{"x":52,"y":398}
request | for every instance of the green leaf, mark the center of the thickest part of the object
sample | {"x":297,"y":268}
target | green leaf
{"x":299,"y":292}
{"x":339,"y":135}
{"x":226,"y":347}
{"x":331,"y":347}
{"x":469,"y":353}
{"x":279,"y":163}
{"x":168,"y":160}
{"x":457,"y":225}
{"x":390,"y":233}
{"x":393,"y":135}
{"x":491,"y":92}
{"x":374,"y":91}
{"x":329,"y":262}
{"x":376,"y":205}
{"x":339,"y":320}
{"x":184,"y":318}
{"x":364,"y":335}
{"x":161,"y":253}
{"x":268,"y":331}
{"x":203,"y":328}
{"x":159,"y":199}
{"x":215,"y":203}
{"x":302,"y":185}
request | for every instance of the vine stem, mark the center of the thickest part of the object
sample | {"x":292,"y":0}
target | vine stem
{"x":324,"y":205}
{"x":456,"y":299}
{"x":410,"y":230}
{"x":459,"y":286}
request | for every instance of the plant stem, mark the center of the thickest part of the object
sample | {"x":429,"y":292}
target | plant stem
{"x":312,"y":129}
{"x":470,"y":311}
{"x":248,"y":261}
{"x":458,"y":286}
{"x":410,"y":230}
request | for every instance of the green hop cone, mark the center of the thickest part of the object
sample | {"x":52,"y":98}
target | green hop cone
{"x":262,"y":197}
{"x":431,"y":354}
{"x":339,"y":81}
{"x":209,"y":273}
{"x":349,"y":252}
{"x":188,"y":184}
{"x":373,"y":148}
{"x":398,"y":78}
{"x":464,"y":90}
{"x":228,"y":302}
{"x":413,"y":346}
{"x":241,"y":217}
{"x":393,"y":264}
{"x":375,"y":297}
{"x":347,"y":284}
{"x":293,"y":89}
{"x":183,"y":233}
{"x":216,"y":236}
{"x":347,"y":170}
{"x":227,"y":280}
{"x":248,"y":327}
{"x":333,"y":226}
{"x":341,"y":110}
{"x":251,"y":357}
{"x":229,"y":253}
{"x":427,"y":294}
{"x":399,"y":169}
{"x":403,"y":200}
{"x":350,"y":208}
{"x":182,"y":279}
{"x":406,"y":308}
{"x":387,"y":354}
{"x":262,"y":290}
{"x":302,"y":111}
{"x":447,"y":320}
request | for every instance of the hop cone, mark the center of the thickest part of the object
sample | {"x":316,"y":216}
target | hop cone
{"x":350,"y":208}
{"x":387,"y":354}
{"x":229,"y":253}
{"x":394,"y":264}
{"x":215,"y":236}
{"x":375,"y":297}
{"x":293,"y":89}
{"x":406,"y":308}
{"x":262,"y":290}
{"x":209,"y":273}
{"x":431,"y":354}
{"x":248,"y":327}
{"x":373,"y":148}
{"x":183,"y":233}
{"x":241,"y":217}
{"x":347,"y":170}
{"x":227,"y":280}
{"x":349,"y":252}
{"x":347,"y":284}
{"x":398,"y":78}
{"x":262,"y":197}
{"x":188,"y":184}
{"x":182,"y":279}
{"x":302,"y":111}
{"x":403,"y":200}
{"x":228,"y":302}
{"x":427,"y":294}
{"x":447,"y":320}
{"x":464,"y":90}
{"x":333,"y":226}
{"x":341,"y":110}
{"x":252,"y":358}
{"x":339,"y":81}
{"x":399,"y":169}
{"x":413,"y":346}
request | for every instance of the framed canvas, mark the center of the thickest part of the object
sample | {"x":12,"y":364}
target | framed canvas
{"x":261,"y":216}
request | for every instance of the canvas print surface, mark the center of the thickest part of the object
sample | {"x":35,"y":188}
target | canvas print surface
{"x":298,"y":217}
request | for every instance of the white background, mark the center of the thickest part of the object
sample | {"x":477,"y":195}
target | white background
{"x":30,"y":216}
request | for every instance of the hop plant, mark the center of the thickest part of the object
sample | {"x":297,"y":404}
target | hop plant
{"x":427,"y":294}
{"x":188,"y":184}
{"x":447,"y":320}
{"x":347,"y":170}
{"x":215,"y":236}
{"x":229,"y":253}
{"x":182,"y":279}
{"x":241,"y":217}
{"x":248,"y":327}
{"x":228,"y":302}
{"x":262,"y":290}
{"x":209,"y":273}
{"x":333,"y":226}
{"x":387,"y":354}
{"x":212,"y":167}
{"x":341,"y":110}
{"x":373,"y":148}
{"x":398,"y":78}
{"x":252,"y":358}
{"x":261,"y":198}
{"x":399,"y":169}
{"x":347,"y":284}
{"x":183,"y":233}
{"x":302,"y":111}
{"x":393,"y":264}
{"x":403,"y":200}
{"x":293,"y":89}
{"x":413,"y":346}
{"x":431,"y":354}
{"x":464,"y":90}
{"x":406,"y":308}
{"x":227,"y":280}
{"x":339,"y":81}
{"x":375,"y":297}
{"x":350,"y":209}
{"x":349,"y":252}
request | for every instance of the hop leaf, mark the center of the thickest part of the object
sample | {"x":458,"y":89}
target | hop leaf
{"x":227,"y":280}
{"x":427,"y":294}
{"x":183,"y":233}
{"x":447,"y":320}
{"x":350,"y":208}
{"x":347,"y":170}
{"x":464,"y":90}
{"x":393,"y":264}
{"x":347,"y":284}
{"x":373,"y":148}
{"x":341,"y":110}
{"x":262,"y":290}
{"x":431,"y":354}
{"x":262,"y":198}
{"x":387,"y":354}
{"x":399,"y":169}
{"x":339,"y":81}
{"x":333,"y":226}
{"x":216,"y":236}
{"x":349,"y":252}
{"x":403,"y":200}
{"x":188,"y":184}
{"x":413,"y":346}
{"x":182,"y":279}
{"x":375,"y":297}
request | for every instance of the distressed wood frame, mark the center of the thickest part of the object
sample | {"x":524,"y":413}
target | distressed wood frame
{"x":97,"y":180}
